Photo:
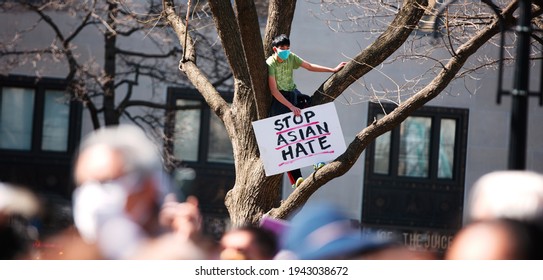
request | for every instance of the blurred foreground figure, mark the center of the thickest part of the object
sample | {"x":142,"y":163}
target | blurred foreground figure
{"x":17,"y":206}
{"x":120,"y":201}
{"x":249,"y":243}
{"x":505,"y":215}
{"x":514,"y":195}
{"x":497,"y":239}
{"x":321,"y":231}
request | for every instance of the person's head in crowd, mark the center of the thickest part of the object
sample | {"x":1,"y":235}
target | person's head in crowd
{"x":18,"y":206}
{"x":323,"y":231}
{"x":249,"y":243}
{"x":497,"y":239}
{"x":117,"y":169}
{"x":121,"y":187}
{"x":507,"y":194}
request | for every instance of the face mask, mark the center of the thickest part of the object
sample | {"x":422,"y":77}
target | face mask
{"x":283,"y":54}
{"x":95,"y":202}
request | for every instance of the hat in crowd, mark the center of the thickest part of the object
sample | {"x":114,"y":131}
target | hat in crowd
{"x":322,"y":231}
{"x":512,"y":194}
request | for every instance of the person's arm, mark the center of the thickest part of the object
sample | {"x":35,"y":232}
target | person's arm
{"x":275,"y":92}
{"x":318,"y":68}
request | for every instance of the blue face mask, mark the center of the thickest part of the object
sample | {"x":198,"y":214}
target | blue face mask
{"x":283,"y":54}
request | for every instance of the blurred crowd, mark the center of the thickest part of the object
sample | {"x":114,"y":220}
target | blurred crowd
{"x":125,"y":207}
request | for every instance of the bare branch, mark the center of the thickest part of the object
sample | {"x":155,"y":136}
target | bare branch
{"x":172,"y":52}
{"x":396,"y":34}
{"x":194,"y":74}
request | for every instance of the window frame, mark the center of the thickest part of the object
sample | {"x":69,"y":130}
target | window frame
{"x":435,"y":114}
{"x":450,"y":189}
{"x":213,"y":179}
{"x":44,"y":171}
{"x":174,"y":94}
{"x":40,"y":87}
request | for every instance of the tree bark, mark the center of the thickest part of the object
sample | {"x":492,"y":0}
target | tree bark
{"x":253,"y":193}
{"x":251,"y":38}
{"x":111,"y":117}
{"x":280,"y":16}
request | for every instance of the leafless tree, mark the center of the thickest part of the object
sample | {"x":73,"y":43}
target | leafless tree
{"x":136,"y":48}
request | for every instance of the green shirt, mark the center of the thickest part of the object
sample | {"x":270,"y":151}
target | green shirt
{"x":283,"y":71}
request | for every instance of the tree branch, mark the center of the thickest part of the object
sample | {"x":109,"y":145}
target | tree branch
{"x":229,"y":33}
{"x":179,"y":28}
{"x":189,"y":67}
{"x":78,"y":30}
{"x":386,"y":44}
{"x":280,"y":16}
{"x":149,"y":104}
{"x":254,"y":53}
{"x":148,"y":55}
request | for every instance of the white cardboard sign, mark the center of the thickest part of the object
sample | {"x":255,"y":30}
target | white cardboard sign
{"x":287,"y":142}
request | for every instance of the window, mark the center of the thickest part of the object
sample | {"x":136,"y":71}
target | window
{"x":197,"y":139}
{"x":198,"y":135}
{"x":37,"y":116}
{"x":414,"y":148}
{"x":40,"y":128}
{"x":16,"y":115}
{"x":56,"y":120}
{"x":220,"y":148}
{"x":415,"y":173}
{"x":187,"y":130}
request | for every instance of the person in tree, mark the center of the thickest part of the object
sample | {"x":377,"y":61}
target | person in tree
{"x":287,"y":98}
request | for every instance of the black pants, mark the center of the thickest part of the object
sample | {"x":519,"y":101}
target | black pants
{"x":295,"y":97}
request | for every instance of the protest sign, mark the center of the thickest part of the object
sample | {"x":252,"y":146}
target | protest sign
{"x":287,"y":142}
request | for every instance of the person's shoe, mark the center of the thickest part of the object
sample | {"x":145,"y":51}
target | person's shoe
{"x":318,"y":166}
{"x":298,"y":182}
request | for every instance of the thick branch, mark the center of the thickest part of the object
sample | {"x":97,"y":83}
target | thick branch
{"x":396,"y":34}
{"x":229,"y":33}
{"x":280,"y":15}
{"x":254,"y":53}
{"x":179,"y":28}
{"x":197,"y":78}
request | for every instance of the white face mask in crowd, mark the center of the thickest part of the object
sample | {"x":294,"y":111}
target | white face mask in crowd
{"x":95,"y":202}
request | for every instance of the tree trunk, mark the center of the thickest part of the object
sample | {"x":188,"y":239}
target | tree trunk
{"x":111,"y":117}
{"x":253,"y":193}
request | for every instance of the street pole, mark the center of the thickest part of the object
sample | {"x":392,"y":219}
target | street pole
{"x":520,"y":92}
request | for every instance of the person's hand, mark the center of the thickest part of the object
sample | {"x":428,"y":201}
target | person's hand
{"x":339,"y":66}
{"x":183,"y":218}
{"x":296,"y":110}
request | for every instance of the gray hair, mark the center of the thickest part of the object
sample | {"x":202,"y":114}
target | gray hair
{"x":139,"y":152}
